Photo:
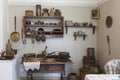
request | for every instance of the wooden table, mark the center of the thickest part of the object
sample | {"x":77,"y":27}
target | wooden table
{"x":50,"y":67}
{"x":102,"y":77}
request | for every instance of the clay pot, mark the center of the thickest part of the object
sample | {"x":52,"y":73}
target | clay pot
{"x":43,"y":38}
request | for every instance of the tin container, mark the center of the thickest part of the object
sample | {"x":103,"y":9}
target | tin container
{"x":38,"y":10}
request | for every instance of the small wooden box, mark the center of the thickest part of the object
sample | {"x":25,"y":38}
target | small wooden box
{"x":28,"y":13}
{"x":69,"y":23}
{"x":90,"y":51}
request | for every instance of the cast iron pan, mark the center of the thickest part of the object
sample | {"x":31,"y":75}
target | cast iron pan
{"x":38,"y":38}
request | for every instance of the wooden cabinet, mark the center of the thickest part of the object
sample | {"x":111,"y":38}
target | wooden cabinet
{"x":83,"y":72}
{"x":50,"y":26}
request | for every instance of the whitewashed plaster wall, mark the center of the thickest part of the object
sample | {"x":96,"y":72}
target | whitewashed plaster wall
{"x":56,"y":2}
{"x":4,"y":74}
{"x":110,"y":8}
{"x":3,"y":23}
{"x":59,"y":2}
{"x":76,"y":48}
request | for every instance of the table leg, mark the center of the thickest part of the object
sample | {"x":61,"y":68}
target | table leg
{"x":29,"y":76}
{"x":62,"y":76}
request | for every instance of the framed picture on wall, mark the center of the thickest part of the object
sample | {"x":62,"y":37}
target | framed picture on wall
{"x":95,"y":13}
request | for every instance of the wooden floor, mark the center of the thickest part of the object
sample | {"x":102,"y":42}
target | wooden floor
{"x":38,"y":78}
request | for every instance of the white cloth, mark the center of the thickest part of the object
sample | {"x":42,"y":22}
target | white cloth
{"x":112,"y":67}
{"x":102,"y":77}
{"x":31,"y":65}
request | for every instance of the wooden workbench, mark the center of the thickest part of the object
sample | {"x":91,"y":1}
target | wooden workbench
{"x":50,"y":67}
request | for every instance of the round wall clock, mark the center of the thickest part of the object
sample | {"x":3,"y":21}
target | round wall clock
{"x":109,"y":21}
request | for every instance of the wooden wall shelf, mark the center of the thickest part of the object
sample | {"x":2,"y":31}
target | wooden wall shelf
{"x":30,"y":22}
{"x":75,"y":36}
{"x":51,"y":17}
{"x":46,"y":33}
{"x":43,"y":25}
{"x":93,"y":27}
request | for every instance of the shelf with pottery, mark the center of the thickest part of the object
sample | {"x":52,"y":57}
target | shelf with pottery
{"x":93,"y":27}
{"x":36,"y":22}
{"x":79,"y":33}
{"x":46,"y":33}
{"x":70,"y":24}
{"x":44,"y":17}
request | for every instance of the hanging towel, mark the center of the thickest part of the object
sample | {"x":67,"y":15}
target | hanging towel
{"x":31,"y":65}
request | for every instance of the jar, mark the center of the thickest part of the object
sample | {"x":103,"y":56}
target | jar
{"x":72,"y":76}
{"x":38,"y":10}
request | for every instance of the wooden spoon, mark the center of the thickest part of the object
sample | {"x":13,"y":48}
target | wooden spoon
{"x":33,"y":39}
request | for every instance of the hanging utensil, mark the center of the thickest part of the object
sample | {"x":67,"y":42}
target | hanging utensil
{"x":22,"y":36}
{"x":45,"y":48}
{"x":108,"y":40}
{"x":38,"y":38}
{"x":39,"y":32}
{"x":43,"y":38}
{"x":33,"y":33}
{"x":15,"y":36}
{"x":32,"y":36}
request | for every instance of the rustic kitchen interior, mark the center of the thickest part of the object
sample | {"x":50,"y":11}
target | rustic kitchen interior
{"x":58,"y":40}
